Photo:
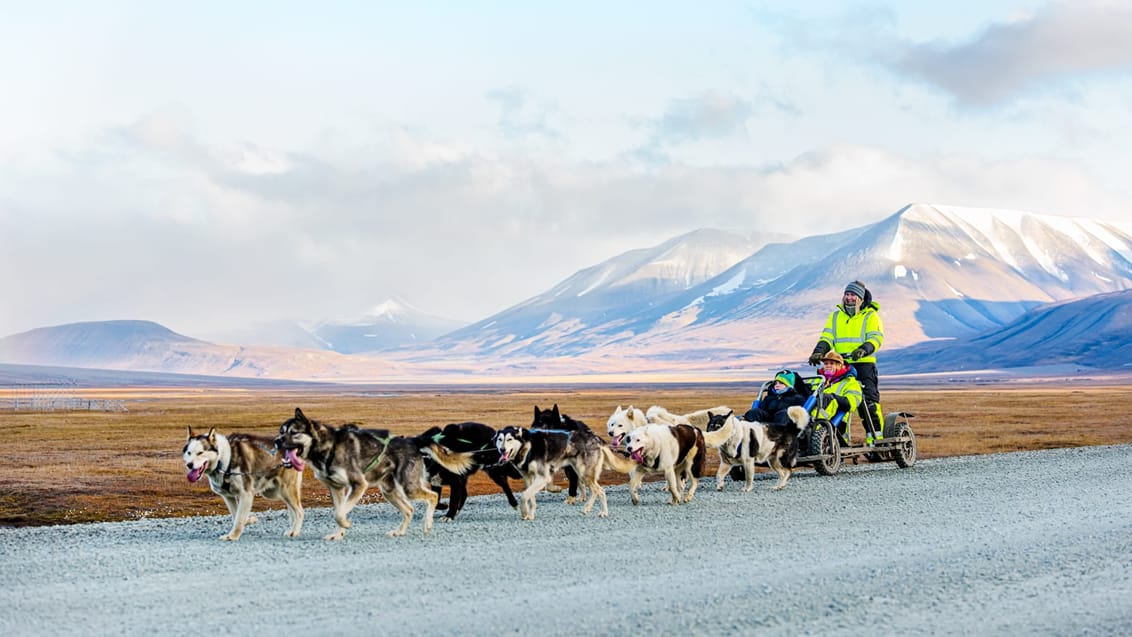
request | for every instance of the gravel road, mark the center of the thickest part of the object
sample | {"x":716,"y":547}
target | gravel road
{"x":1034,"y":543}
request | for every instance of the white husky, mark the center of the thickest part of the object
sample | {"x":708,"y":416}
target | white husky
{"x":698,"y":418}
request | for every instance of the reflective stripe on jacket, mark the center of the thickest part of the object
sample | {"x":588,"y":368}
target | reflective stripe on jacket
{"x":849,"y":387}
{"x":844,"y":333}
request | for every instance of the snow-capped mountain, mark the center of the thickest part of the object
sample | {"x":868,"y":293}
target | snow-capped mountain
{"x":937,"y":271}
{"x":392,"y":323}
{"x":1091,"y":332}
{"x":604,"y":294}
{"x":707,"y":302}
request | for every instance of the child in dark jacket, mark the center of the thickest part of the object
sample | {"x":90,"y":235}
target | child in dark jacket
{"x":771,"y":407}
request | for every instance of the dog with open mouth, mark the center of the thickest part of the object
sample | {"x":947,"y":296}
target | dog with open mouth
{"x":676,"y":451}
{"x":537,"y":454}
{"x":240,"y":467}
{"x":348,"y":459}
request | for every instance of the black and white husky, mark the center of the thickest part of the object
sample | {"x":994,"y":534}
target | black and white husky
{"x":537,"y":454}
{"x":240,"y":467}
{"x":467,"y":437}
{"x":755,"y":443}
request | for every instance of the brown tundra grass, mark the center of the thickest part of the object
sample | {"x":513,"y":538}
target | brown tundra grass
{"x":72,"y":467}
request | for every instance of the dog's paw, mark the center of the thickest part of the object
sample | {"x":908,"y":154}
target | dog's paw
{"x":395,"y":533}
{"x":446,"y":519}
{"x":251,"y":520}
{"x":748,"y":488}
{"x":229,"y":537}
{"x":291,"y":534}
{"x":571,"y":500}
{"x":334,"y":537}
{"x":720,"y":488}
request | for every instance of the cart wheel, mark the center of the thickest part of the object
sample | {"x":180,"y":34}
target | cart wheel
{"x":904,"y":453}
{"x":889,"y":426}
{"x":824,"y":443}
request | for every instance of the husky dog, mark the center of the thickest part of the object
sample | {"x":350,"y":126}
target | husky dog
{"x":622,"y":422}
{"x":538,"y":454}
{"x":467,"y":437}
{"x":736,"y":450}
{"x":240,"y":467}
{"x":677,"y":451}
{"x":698,"y":418}
{"x":348,"y":459}
{"x":554,"y":420}
{"x":772,"y":444}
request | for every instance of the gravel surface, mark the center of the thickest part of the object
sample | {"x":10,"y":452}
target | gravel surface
{"x":1035,"y":543}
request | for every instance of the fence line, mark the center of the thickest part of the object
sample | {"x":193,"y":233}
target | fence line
{"x":53,"y":396}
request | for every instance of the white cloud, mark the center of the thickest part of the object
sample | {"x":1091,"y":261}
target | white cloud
{"x":1060,"y":43}
{"x":195,"y":240}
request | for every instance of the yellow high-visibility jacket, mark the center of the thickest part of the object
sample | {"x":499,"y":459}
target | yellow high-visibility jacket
{"x":844,"y":333}
{"x":849,"y":387}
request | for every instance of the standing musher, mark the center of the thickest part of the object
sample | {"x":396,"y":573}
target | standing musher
{"x":854,"y":330}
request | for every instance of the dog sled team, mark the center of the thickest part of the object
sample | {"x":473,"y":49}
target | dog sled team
{"x":349,"y":459}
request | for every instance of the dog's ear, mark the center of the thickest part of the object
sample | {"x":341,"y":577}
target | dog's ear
{"x":212,"y":435}
{"x":730,"y":413}
{"x":557,"y":416}
{"x":299,"y":415}
{"x":536,"y":412}
{"x":190,"y":434}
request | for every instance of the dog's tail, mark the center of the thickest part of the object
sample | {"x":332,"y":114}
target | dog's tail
{"x":799,"y":419}
{"x":619,"y":462}
{"x":452,"y":461}
{"x":799,"y":416}
{"x":715,"y":439}
{"x":699,"y":418}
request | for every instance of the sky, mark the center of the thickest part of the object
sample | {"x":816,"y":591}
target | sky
{"x":213,"y":165}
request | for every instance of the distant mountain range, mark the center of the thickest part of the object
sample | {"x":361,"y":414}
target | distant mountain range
{"x":390,"y":324}
{"x":706,"y":302}
{"x":1093,"y":332}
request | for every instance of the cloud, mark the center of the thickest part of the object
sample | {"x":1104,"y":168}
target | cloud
{"x":710,"y":116}
{"x":1060,"y":43}
{"x":706,"y":116}
{"x":199,"y":237}
{"x":519,"y":117}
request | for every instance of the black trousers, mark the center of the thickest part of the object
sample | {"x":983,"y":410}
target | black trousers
{"x":867,"y":410}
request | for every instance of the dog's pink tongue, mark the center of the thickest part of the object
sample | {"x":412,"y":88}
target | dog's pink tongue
{"x":294,"y":460}
{"x":616,"y":441}
{"x":638,"y":456}
{"x":504,"y":457}
{"x":195,"y":474}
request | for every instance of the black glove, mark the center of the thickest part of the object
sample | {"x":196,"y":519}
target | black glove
{"x":858,"y":354}
{"x":752,"y":415}
{"x":815,"y":358}
{"x":842,"y":403}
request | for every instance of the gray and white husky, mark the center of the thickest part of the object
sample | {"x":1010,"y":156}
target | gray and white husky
{"x":348,"y":459}
{"x":240,"y":467}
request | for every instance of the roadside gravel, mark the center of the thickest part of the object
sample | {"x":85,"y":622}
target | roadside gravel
{"x":1036,"y":543}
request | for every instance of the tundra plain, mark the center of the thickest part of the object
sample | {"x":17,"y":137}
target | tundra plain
{"x":70,"y":467}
